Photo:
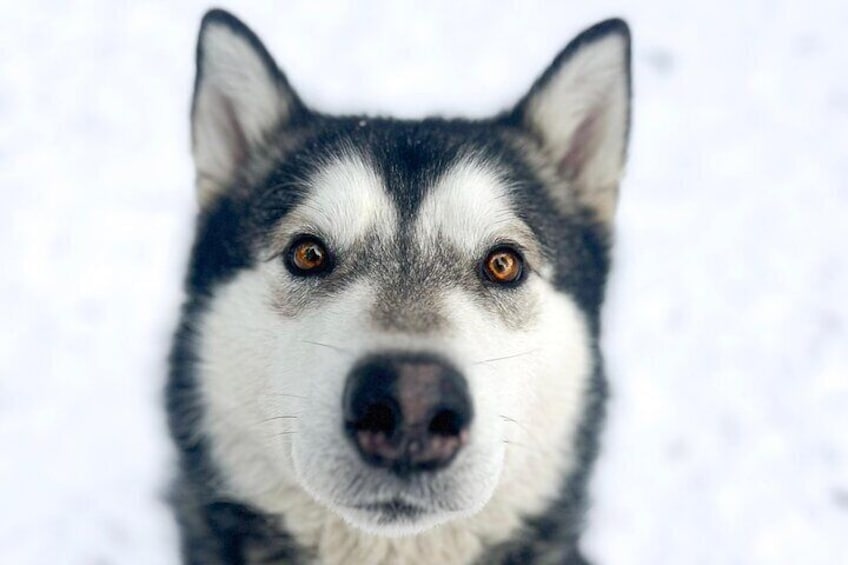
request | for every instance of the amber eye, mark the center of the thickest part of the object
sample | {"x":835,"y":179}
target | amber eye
{"x":308,"y":256}
{"x":503,"y":265}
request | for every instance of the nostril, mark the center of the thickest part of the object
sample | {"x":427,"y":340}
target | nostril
{"x":378,"y":417}
{"x":406,"y":412}
{"x":446,"y":422}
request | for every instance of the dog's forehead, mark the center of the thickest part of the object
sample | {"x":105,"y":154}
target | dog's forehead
{"x":351,"y":196}
{"x":346,"y":199}
{"x":470,"y":206}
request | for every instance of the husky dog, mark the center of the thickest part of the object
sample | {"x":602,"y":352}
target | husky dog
{"x":389,"y":348}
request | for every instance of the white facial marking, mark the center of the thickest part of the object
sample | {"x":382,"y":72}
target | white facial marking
{"x":345,"y":202}
{"x":469,"y":207}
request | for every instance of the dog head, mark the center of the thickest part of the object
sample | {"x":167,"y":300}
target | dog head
{"x":399,"y":318}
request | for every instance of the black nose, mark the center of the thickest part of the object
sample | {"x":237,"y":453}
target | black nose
{"x":407,"y":412}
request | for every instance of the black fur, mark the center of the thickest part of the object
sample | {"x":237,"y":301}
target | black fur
{"x":409,"y":155}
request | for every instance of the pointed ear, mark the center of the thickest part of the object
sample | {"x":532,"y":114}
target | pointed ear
{"x":240,"y":99}
{"x":579,"y":112}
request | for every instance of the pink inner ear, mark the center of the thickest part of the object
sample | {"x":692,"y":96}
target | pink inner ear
{"x":581,"y":146}
{"x":237,"y":140}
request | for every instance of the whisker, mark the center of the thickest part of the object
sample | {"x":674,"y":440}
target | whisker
{"x":538,"y":447}
{"x":524,"y":445}
{"x":279,"y":435}
{"x":265,"y":421}
{"x":328,"y":346}
{"x":323,"y":403}
{"x":508,"y":419}
{"x":513,"y":356}
{"x":288,"y":395}
{"x":520,"y":425}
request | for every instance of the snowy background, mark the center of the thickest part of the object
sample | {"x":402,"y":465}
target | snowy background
{"x":727,"y":319}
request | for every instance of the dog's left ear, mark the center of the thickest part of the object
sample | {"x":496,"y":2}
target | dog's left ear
{"x":579,"y":112}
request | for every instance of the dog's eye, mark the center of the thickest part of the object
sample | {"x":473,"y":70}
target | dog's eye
{"x":503,"y":265}
{"x":307,"y":256}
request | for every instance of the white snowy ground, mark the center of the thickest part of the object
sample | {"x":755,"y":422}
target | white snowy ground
{"x":727,"y":320}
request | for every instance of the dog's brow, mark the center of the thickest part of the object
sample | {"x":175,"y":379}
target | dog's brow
{"x":470,"y":206}
{"x":345,"y":201}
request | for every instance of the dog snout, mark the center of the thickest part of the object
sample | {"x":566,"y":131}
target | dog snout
{"x":407,"y":413}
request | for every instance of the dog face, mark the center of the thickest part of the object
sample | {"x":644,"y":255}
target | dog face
{"x":399,"y":318}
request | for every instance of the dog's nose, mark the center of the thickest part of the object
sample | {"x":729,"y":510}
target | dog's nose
{"x":407,"y":412}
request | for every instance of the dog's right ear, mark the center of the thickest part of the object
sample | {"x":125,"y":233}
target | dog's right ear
{"x":240,"y":99}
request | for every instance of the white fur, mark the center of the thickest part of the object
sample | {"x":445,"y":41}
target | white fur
{"x":257,"y":365}
{"x":345,"y":202}
{"x":591,"y":87}
{"x":238,"y":102}
{"x":470,"y":208}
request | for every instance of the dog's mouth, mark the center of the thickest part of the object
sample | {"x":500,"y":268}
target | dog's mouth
{"x":395,"y":516}
{"x":392,"y":511}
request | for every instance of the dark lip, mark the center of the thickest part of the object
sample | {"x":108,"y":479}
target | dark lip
{"x":393,"y":509}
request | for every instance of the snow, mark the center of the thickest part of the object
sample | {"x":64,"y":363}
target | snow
{"x":726,"y":324}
